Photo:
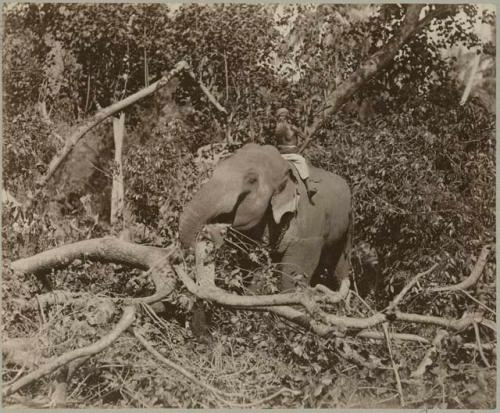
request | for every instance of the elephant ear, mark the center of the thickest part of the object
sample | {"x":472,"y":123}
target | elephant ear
{"x":285,"y":199}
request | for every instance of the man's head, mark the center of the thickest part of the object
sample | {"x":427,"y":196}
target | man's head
{"x":282,"y":113}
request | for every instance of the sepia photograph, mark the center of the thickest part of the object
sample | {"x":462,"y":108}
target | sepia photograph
{"x":249,"y":206}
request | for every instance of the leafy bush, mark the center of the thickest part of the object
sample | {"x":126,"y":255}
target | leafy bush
{"x":422,"y":174}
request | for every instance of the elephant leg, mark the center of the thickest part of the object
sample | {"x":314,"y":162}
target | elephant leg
{"x":335,"y":262}
{"x":301,"y":257}
{"x":341,"y":263}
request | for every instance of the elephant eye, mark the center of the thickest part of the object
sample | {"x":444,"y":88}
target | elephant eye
{"x":252,"y":179}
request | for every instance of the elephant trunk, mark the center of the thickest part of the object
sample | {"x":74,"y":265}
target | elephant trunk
{"x":207,"y":204}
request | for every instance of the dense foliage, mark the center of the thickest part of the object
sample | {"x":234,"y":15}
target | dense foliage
{"x":421,"y":167}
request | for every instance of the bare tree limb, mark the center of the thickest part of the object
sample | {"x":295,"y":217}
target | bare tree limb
{"x":148,"y":346}
{"x":207,"y":93}
{"x":105,"y":113}
{"x":316,"y":320}
{"x":117,"y":188}
{"x":410,"y":26}
{"x":125,"y":322}
{"x":408,"y":287}
{"x":427,"y":360}
{"x":479,"y":346}
{"x":474,"y":275}
{"x":100,"y":249}
{"x":394,"y":365}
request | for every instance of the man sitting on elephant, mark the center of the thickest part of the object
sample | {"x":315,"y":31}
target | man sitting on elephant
{"x":287,"y":143}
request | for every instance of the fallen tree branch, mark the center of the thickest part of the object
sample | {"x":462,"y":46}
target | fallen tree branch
{"x":408,"y":287}
{"x":478,"y":302}
{"x":125,"y":322}
{"x":484,"y":346}
{"x":378,"y":335}
{"x":472,"y":278}
{"x":216,"y":392}
{"x":427,"y":359}
{"x":149,"y":347}
{"x":205,"y":287}
{"x":318,"y":320}
{"x":222,"y":297}
{"x":451,"y":324}
{"x":102,"y":250}
{"x":58,"y":397}
{"x":399,"y":387}
{"x":479,"y":346}
{"x":99,"y":249}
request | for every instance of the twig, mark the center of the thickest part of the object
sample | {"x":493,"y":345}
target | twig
{"x":62,"y":297}
{"x":394,"y":365}
{"x":427,"y":360}
{"x":88,"y":93}
{"x":207,"y":93}
{"x":227,"y":76}
{"x":473,"y":277}
{"x":484,"y":346}
{"x":216,"y":392}
{"x":378,"y":335}
{"x":478,"y":302}
{"x":268,"y":398}
{"x":147,"y":345}
{"x":348,"y":353}
{"x":407,"y":288}
{"x":479,"y":346}
{"x":146,"y":69}
{"x":125,"y":322}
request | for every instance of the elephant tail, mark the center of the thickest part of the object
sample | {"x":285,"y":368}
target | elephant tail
{"x":342,"y":256}
{"x":349,"y":241}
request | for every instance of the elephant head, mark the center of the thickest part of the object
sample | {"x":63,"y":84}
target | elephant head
{"x":240,"y":192}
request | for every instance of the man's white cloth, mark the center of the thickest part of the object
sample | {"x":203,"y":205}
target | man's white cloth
{"x":299,"y":162}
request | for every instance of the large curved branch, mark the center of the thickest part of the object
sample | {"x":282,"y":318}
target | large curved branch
{"x":103,"y":250}
{"x":473,"y":277}
{"x":222,"y":297}
{"x":317,"y":320}
{"x":99,"y":249}
{"x":125,"y":322}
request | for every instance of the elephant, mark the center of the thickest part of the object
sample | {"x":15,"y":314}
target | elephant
{"x":258,"y":192}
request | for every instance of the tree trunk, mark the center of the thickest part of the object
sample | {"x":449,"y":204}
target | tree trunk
{"x":117,"y":192}
{"x":104,"y":114}
{"x":411,"y":25}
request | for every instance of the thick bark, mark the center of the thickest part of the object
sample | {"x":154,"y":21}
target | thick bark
{"x":101,"y":249}
{"x":376,"y":62}
{"x":117,"y":192}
